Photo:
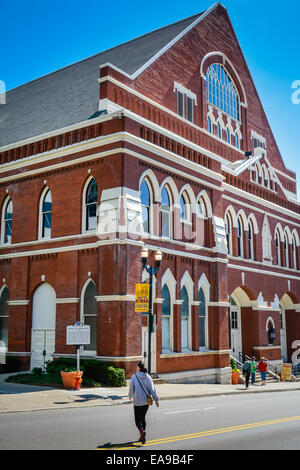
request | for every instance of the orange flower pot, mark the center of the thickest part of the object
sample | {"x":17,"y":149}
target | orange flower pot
{"x":69,"y":379}
{"x":235,"y":378}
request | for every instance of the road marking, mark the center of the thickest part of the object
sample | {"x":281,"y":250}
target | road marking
{"x":210,"y":408}
{"x":211,"y":432}
{"x":181,"y":411}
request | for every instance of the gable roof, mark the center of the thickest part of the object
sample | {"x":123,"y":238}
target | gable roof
{"x":71,"y":94}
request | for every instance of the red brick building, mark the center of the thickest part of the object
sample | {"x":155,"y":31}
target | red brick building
{"x":160,"y":142}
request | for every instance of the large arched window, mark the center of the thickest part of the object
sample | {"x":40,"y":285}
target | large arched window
{"x":166,"y":319}
{"x":184,"y":318}
{"x":166,"y":214}
{"x":91,"y":201}
{"x":202,"y":319}
{"x":46,"y":215}
{"x":221,"y":91}
{"x":7,"y":218}
{"x":146,"y":206}
{"x":4,"y":315}
{"x":89,"y":314}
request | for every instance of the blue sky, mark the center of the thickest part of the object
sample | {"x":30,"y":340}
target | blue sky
{"x":42,"y":36}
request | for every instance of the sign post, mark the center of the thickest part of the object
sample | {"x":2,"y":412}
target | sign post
{"x":286,"y":372}
{"x":78,"y":335}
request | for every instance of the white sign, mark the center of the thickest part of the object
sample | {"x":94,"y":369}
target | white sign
{"x":78,"y":334}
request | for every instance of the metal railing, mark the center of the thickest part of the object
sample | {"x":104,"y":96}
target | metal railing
{"x":272,"y":369}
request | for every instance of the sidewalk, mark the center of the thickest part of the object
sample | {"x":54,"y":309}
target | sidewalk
{"x":17,"y":397}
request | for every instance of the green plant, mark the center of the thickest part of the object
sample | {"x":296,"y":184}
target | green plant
{"x":233,"y":365}
{"x":37,"y":371}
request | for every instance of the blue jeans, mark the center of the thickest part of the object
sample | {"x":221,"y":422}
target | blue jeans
{"x":253,"y":378}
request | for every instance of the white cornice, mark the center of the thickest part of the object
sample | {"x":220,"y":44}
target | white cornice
{"x":262,"y":271}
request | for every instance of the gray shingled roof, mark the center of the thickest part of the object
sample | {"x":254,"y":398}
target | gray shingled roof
{"x":71,"y":94}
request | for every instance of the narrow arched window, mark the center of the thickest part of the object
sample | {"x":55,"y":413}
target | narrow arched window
{"x":240,"y":238}
{"x":89,"y":316}
{"x":228,"y":229}
{"x":4,"y":316}
{"x":278,"y":253}
{"x":228,"y":138}
{"x":91,"y":201}
{"x":202,"y":319}
{"x":251,"y":240}
{"x":209,"y":125}
{"x":184,"y":207}
{"x":166,"y":319}
{"x":146,"y":206}
{"x":166,"y":215}
{"x":294,"y":253}
{"x":7,"y":222}
{"x":219,"y":132}
{"x":237,"y":141}
{"x":184,"y":318}
{"x":46,"y":215}
{"x":286,"y":251}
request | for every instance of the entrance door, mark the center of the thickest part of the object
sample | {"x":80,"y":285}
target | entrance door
{"x":283,"y":335}
{"x":236,"y":331}
{"x":43,"y":346}
{"x":43,"y":326}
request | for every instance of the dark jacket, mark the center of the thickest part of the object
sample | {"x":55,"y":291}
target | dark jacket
{"x":247,"y":367}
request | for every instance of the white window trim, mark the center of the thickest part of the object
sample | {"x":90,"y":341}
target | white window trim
{"x":40,"y":229}
{"x":82,"y":350}
{"x":83,"y":226}
{"x":4,"y":207}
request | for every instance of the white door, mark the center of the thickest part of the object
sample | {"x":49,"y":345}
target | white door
{"x":145,"y":349}
{"x":43,"y":347}
{"x":283,"y":335}
{"x":43,"y":325}
{"x":236,"y":331}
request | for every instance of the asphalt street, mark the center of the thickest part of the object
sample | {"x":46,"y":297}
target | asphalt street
{"x":245,"y":422}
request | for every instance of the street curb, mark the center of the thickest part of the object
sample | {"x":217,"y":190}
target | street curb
{"x":179,"y":397}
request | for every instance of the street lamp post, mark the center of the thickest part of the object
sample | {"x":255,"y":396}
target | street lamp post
{"x":151,"y":271}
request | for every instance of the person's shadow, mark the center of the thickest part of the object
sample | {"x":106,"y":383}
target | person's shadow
{"x":109,"y":445}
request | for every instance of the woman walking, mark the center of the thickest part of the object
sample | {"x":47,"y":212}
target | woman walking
{"x":262,"y":367}
{"x":141,"y":386}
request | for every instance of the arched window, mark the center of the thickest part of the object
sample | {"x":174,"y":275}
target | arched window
{"x":7,"y":222}
{"x":166,"y":215}
{"x":294,"y":253}
{"x":286,"y":250}
{"x":237,"y":141}
{"x":202,"y":319}
{"x":251,"y":240}
{"x":209,"y":125}
{"x":278,"y":251}
{"x":146,"y":206}
{"x":228,"y":137}
{"x":240,"y":238}
{"x":184,"y":318}
{"x":45,"y":215}
{"x":228,"y":228}
{"x":91,"y":201}
{"x":219,"y":131}
{"x":89,"y":314}
{"x":221,"y":91}
{"x":184,"y":207}
{"x":4,"y":316}
{"x":166,"y":319}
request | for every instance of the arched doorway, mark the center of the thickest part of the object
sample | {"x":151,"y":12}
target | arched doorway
{"x":43,"y":325}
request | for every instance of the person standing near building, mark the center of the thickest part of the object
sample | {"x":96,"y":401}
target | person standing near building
{"x":141,"y":386}
{"x":247,"y":368}
{"x":253,"y":370}
{"x":262,"y":367}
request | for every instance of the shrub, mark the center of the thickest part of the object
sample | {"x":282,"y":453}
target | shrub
{"x":37,"y":371}
{"x":12,"y":365}
{"x":94,"y":372}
